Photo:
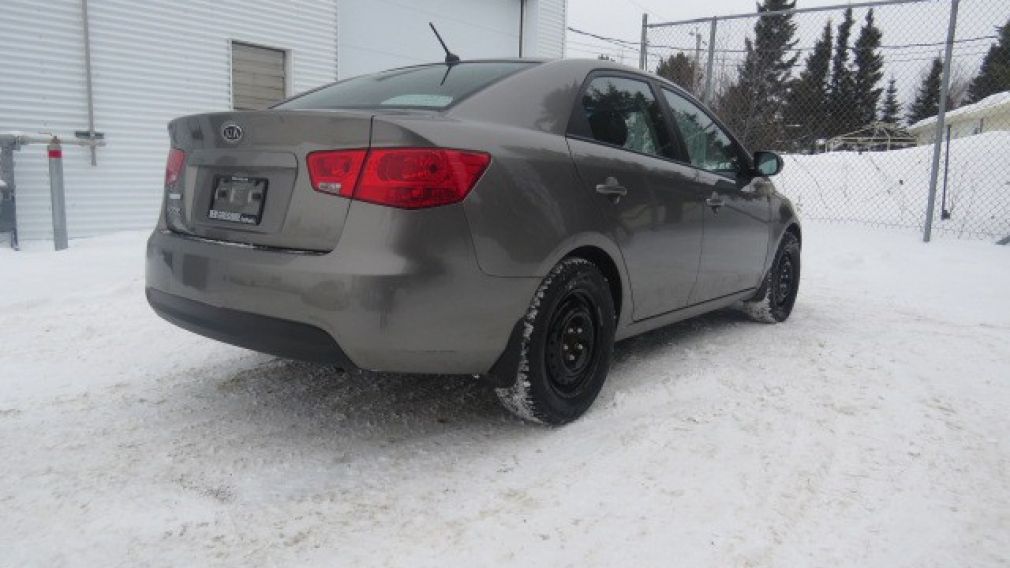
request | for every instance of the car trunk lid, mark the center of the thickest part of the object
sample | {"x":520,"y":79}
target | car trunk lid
{"x":244,"y":178}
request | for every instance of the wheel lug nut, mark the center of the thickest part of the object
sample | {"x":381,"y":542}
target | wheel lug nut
{"x":564,"y":346}
{"x":579,"y":347}
{"x":570,"y":330}
{"x":579,"y":330}
{"x":571,"y":357}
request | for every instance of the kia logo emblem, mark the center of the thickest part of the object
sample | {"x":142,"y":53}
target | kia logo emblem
{"x":231,"y":132}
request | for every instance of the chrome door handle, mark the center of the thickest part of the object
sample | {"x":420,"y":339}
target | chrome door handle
{"x":611,"y":187}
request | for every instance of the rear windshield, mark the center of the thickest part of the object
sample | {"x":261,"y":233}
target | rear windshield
{"x":430,"y":86}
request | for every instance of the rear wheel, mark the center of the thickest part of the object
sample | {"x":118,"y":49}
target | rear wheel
{"x":566,"y":346}
{"x":774,"y":301}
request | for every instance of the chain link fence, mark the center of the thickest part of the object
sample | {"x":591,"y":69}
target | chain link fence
{"x":850,"y":96}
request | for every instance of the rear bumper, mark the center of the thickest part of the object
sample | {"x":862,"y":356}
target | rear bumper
{"x":401,"y":292}
{"x":275,"y":336}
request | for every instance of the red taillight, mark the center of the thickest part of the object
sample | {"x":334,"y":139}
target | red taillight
{"x":173,"y":169}
{"x":413,"y":178}
{"x":408,"y":178}
{"x":335,"y":172}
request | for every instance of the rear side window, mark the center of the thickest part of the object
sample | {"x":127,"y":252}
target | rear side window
{"x":708,"y":146}
{"x":623,"y":112}
{"x":429,"y":86}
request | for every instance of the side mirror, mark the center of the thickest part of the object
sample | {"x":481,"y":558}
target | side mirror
{"x":767,"y":163}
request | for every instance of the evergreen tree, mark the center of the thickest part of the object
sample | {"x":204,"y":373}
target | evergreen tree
{"x":869,"y":70}
{"x":841,"y":95}
{"x":994,"y":75}
{"x":680,"y":69}
{"x":753,"y":105}
{"x":927,"y":100}
{"x":890,"y":111}
{"x":806,"y":110}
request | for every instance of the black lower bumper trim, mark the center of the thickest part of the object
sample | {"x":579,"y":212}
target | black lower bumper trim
{"x":266,"y":334}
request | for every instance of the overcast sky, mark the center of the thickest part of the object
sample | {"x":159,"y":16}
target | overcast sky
{"x":623,"y":18}
{"x":913,"y":34}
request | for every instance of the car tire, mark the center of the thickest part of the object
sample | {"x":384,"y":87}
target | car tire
{"x":566,"y":346}
{"x":777,"y":295}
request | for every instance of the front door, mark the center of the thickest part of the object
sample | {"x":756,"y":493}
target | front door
{"x":621,"y":146}
{"x":738,"y":205}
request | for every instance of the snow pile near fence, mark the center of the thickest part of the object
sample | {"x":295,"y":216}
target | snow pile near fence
{"x":891,"y":188}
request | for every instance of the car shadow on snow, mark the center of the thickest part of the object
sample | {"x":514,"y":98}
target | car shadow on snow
{"x":369,"y":405}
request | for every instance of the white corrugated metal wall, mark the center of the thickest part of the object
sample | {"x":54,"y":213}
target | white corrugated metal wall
{"x":159,"y":59}
{"x":152,"y":61}
{"x":545,"y":22}
{"x":381,"y":34}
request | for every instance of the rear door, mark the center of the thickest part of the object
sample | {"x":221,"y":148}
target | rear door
{"x":623,"y":152}
{"x":737,"y":205}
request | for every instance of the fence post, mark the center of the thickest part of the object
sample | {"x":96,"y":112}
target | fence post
{"x":710,"y":66}
{"x":59,"y":205}
{"x":934,"y":171}
{"x":642,"y":57}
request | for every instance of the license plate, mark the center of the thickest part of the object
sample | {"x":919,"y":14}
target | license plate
{"x":238,"y":199}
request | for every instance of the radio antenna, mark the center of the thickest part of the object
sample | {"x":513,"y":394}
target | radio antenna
{"x":450,"y":57}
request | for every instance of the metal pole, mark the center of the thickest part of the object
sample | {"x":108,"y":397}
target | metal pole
{"x":59,"y":205}
{"x":709,"y":68}
{"x":696,"y":73}
{"x":934,"y":171}
{"x":944,"y":213}
{"x":645,"y":41}
{"x":87,"y":78}
{"x":8,"y":194}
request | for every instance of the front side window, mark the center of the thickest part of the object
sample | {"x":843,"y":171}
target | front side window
{"x":708,"y":146}
{"x":624,"y":113}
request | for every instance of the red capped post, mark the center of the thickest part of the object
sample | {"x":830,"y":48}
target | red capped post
{"x":57,"y":193}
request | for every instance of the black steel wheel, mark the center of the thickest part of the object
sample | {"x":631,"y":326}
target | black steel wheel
{"x":775,"y":299}
{"x":565,"y":352}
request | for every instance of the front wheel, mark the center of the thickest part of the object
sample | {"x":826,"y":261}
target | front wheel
{"x":774,"y":300}
{"x":566,"y":346}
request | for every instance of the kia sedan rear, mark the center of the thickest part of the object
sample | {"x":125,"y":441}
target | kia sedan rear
{"x":506,"y":219}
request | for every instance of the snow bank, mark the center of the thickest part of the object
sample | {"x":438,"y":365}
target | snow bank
{"x":891,"y":188}
{"x":869,"y":430}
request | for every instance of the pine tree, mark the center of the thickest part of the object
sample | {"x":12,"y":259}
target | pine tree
{"x":753,"y":106}
{"x":890,"y":111}
{"x":680,"y":69}
{"x":841,"y":95}
{"x":806,"y":110}
{"x":927,"y":100}
{"x":869,"y":70}
{"x":994,"y":75}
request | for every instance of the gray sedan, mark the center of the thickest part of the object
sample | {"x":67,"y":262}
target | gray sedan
{"x":509,"y":219}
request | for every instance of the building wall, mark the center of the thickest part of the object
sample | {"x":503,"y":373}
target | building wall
{"x":967,"y":126}
{"x":152,"y":61}
{"x":159,"y":59}
{"x":546,"y":22}
{"x":381,"y":34}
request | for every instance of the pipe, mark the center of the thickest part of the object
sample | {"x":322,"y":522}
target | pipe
{"x":87,"y":79}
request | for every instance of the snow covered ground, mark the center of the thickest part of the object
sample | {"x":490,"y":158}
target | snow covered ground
{"x":869,"y":430}
{"x":891,"y":189}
